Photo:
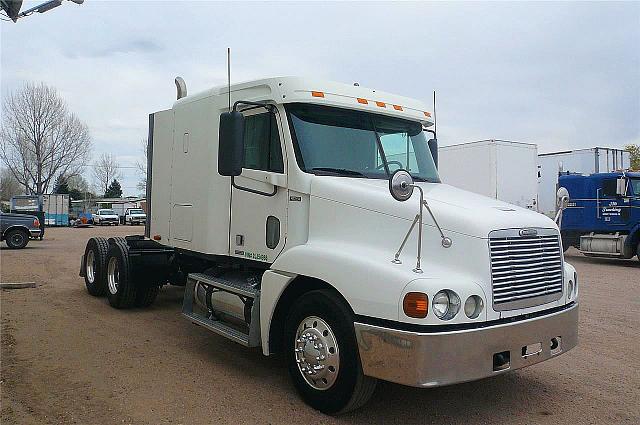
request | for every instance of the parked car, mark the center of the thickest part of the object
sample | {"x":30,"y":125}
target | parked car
{"x":106,"y":216}
{"x":135,"y":216}
{"x":16,"y":229}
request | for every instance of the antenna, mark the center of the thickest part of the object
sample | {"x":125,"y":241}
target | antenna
{"x":229,"y":74}
{"x":435,"y":125}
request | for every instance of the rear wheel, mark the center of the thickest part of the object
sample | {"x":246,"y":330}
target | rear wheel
{"x":322,"y":354}
{"x":95,"y":257}
{"x":17,"y":239}
{"x":638,"y":251}
{"x":121,"y":291}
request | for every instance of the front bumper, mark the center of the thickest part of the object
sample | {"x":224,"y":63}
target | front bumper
{"x":441,"y":358}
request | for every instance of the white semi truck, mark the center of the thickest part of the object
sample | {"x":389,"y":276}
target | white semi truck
{"x":270,"y":201}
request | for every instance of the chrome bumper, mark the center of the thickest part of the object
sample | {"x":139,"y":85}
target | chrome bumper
{"x":35,"y":232}
{"x":434,"y":359}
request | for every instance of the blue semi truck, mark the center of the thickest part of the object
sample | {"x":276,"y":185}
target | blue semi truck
{"x":601,"y":213}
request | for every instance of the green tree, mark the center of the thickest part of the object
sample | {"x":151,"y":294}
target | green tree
{"x":114,"y":190}
{"x":634,"y":150}
{"x":61,"y":185}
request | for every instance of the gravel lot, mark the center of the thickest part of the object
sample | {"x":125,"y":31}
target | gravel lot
{"x":70,"y":358}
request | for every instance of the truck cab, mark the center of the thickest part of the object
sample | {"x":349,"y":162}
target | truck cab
{"x":602,"y":214}
{"x":307,"y":218}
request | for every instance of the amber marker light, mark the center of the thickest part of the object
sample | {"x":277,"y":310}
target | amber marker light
{"x":156,"y":237}
{"x":317,"y":94}
{"x":363,"y":101}
{"x":397,"y":107}
{"x":381,"y":104}
{"x":416,"y":304}
{"x":427,"y":114}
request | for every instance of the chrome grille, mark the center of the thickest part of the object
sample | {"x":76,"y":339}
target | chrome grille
{"x":525,"y":270}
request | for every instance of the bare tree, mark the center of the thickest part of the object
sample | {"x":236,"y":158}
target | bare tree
{"x":105,"y":169}
{"x":9,"y":186}
{"x":41,"y":139}
{"x":142,"y":166}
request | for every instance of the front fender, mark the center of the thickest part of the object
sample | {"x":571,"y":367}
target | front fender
{"x":365,"y":277}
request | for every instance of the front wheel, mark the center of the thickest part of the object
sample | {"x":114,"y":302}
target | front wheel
{"x":322,"y":354}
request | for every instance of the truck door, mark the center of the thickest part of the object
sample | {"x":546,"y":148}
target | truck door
{"x":259,"y":195}
{"x":612,"y":210}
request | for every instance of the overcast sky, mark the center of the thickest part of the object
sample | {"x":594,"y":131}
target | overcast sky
{"x":561,"y":75}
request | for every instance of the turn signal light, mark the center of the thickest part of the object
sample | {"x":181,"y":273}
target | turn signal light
{"x":416,"y":304}
{"x":36,"y":222}
{"x":317,"y":94}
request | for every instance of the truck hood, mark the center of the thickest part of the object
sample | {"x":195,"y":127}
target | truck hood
{"x":456,"y":210}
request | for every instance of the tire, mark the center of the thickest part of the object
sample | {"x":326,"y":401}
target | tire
{"x":323,"y":315}
{"x":95,"y":266}
{"x":16,"y":238}
{"x":121,"y":290}
{"x":146,"y":296}
{"x":638,"y":251}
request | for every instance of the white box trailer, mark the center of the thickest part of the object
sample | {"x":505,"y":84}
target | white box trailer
{"x":499,"y":169}
{"x":582,"y":161}
{"x":56,"y":209}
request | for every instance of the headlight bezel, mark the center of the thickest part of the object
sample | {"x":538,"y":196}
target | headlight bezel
{"x":452,"y":304}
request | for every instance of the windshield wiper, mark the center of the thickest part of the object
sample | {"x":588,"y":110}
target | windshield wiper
{"x":339,"y":171}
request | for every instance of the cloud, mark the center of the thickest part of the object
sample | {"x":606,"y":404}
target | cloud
{"x":140,"y":46}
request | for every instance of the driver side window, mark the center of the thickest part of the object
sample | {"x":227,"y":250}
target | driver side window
{"x":262,"y":147}
{"x":398,"y":150}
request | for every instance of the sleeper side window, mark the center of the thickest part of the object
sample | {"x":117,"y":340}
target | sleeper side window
{"x":262,"y":148}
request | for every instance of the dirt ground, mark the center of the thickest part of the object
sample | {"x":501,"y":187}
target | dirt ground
{"x":68,"y":357}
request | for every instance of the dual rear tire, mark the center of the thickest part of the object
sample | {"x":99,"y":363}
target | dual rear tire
{"x":108,"y":271}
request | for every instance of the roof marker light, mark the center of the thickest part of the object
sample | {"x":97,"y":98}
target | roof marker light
{"x":397,"y":107}
{"x":381,"y":104}
{"x":317,"y":94}
{"x":427,"y":114}
{"x":363,"y":101}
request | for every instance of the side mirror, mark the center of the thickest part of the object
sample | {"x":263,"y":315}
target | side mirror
{"x":231,"y":144}
{"x":621,"y":186}
{"x":401,"y":185}
{"x":433,"y":147}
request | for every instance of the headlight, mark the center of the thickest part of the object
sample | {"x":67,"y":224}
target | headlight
{"x":473,"y":306}
{"x":446,"y":304}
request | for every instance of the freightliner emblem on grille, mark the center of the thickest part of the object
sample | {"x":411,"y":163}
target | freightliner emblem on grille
{"x":528,"y":232}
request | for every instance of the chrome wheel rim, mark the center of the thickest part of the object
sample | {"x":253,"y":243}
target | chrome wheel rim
{"x":91,"y":266}
{"x":113,"y":275}
{"x":316,"y":353}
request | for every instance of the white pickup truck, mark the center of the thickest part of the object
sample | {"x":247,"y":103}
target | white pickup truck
{"x":307,"y":217}
{"x":106,"y":216}
{"x":135,"y":216}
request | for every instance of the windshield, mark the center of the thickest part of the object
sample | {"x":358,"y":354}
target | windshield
{"x":635,"y":186}
{"x":136,"y":212}
{"x":107,"y":212}
{"x":352,"y":143}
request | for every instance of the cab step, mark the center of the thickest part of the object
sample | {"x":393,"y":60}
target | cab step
{"x":239,"y":285}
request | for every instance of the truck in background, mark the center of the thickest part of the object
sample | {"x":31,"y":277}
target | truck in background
{"x":499,"y":169}
{"x":601,"y":213}
{"x":285,"y":208}
{"x":581,"y":161}
{"x":30,"y":205}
